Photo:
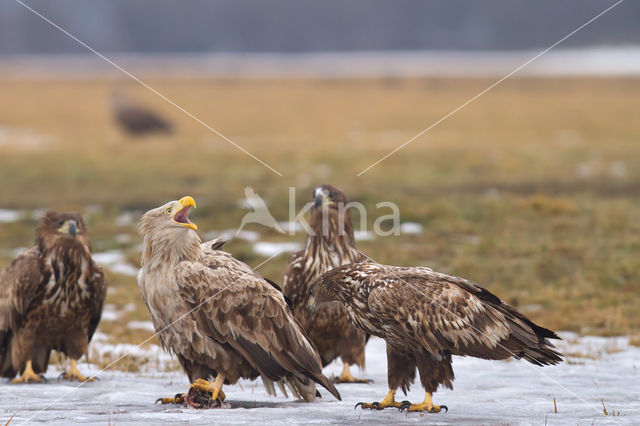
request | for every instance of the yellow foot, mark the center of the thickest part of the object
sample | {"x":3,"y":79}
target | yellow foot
{"x":178,"y":399}
{"x":388,"y":401}
{"x":347,"y":377}
{"x":74,"y":374}
{"x":424,"y":406}
{"x":206,"y":386}
{"x":28,"y":375}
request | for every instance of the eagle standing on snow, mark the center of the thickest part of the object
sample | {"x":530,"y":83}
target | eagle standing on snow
{"x":331,"y":245}
{"x":51,"y":297}
{"x":425,"y":317}
{"x":220,"y":318}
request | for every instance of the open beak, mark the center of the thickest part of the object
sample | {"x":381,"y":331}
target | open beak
{"x":182,"y":215}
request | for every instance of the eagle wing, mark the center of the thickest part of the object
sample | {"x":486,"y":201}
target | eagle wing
{"x":441,"y":312}
{"x":100,"y":292}
{"x":19,"y":284}
{"x":234,"y":305}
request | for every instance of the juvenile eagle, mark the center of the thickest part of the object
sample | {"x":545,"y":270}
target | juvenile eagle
{"x":51,"y":297}
{"x":220,"y":318}
{"x":331,"y":244}
{"x":425,"y":317}
{"x":137,"y":120}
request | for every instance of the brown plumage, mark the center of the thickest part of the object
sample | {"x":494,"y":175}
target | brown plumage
{"x":426,"y":317}
{"x":331,"y":244}
{"x":51,"y":297}
{"x":135,"y":119}
{"x":217,"y":315}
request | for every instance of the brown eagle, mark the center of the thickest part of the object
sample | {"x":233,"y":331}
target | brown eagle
{"x":426,"y":317}
{"x":331,"y":244}
{"x":135,"y":119}
{"x":220,"y":318}
{"x":51,"y":297}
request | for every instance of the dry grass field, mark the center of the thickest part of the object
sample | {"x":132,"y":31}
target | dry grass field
{"x":533,"y":190}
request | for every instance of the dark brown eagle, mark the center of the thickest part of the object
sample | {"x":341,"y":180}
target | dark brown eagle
{"x":331,"y":244}
{"x":426,"y":317}
{"x":137,"y":120}
{"x":51,"y":297}
{"x":220,"y":318}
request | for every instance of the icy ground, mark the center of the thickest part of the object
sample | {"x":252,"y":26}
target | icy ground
{"x":486,"y":392}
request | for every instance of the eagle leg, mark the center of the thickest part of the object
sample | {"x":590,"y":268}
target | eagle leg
{"x":177,"y":399}
{"x":74,"y":374}
{"x":426,"y":405}
{"x":215,"y":388}
{"x":388,"y":401}
{"x":205,"y":394}
{"x":347,"y":377}
{"x":28,"y":375}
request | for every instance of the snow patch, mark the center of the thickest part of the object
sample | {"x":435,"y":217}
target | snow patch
{"x":141,"y":325}
{"x":268,"y":249}
{"x":411,"y":228}
{"x":10,"y":216}
{"x":115,"y":261}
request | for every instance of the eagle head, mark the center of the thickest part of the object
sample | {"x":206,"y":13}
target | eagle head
{"x":329,"y":214}
{"x":61,"y":228}
{"x":328,"y":287}
{"x":168,"y":230}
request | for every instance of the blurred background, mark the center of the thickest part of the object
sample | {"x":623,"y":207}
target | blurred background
{"x":532,"y":190}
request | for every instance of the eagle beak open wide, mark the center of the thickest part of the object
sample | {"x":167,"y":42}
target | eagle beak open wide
{"x":69,"y":227}
{"x":181,"y":216}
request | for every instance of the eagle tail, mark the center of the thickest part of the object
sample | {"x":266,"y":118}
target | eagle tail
{"x":6,"y":360}
{"x":531,"y":342}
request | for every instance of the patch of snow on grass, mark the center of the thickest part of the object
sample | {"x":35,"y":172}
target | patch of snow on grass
{"x":115,"y":261}
{"x":10,"y":216}
{"x":411,"y":228}
{"x":268,"y":249}
{"x":364,"y":235}
{"x":141,"y":325}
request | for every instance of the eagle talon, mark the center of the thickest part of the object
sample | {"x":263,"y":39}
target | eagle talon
{"x":177,"y":399}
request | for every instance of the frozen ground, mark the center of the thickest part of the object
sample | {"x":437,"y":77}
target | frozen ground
{"x":485,"y":393}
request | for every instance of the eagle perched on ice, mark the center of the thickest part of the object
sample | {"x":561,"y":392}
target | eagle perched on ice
{"x":331,"y":244}
{"x":426,"y":317}
{"x":51,"y":297}
{"x":220,"y":318}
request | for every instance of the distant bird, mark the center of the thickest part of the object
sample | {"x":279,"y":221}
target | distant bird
{"x":220,"y":318}
{"x":426,"y":317}
{"x":137,"y":120}
{"x":324,"y":250}
{"x":260,"y":214}
{"x":51,"y":297}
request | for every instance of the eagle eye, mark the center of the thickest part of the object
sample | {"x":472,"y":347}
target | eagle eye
{"x":169,"y":210}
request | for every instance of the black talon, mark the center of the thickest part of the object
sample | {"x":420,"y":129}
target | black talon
{"x":44,"y":379}
{"x":404,"y":405}
{"x":358,"y":404}
{"x":446,"y":409}
{"x":158,"y":400}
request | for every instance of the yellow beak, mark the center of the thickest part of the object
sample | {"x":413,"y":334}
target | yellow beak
{"x":187,"y":201}
{"x":181,"y":216}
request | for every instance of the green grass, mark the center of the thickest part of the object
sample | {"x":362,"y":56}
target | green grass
{"x":531,"y":191}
